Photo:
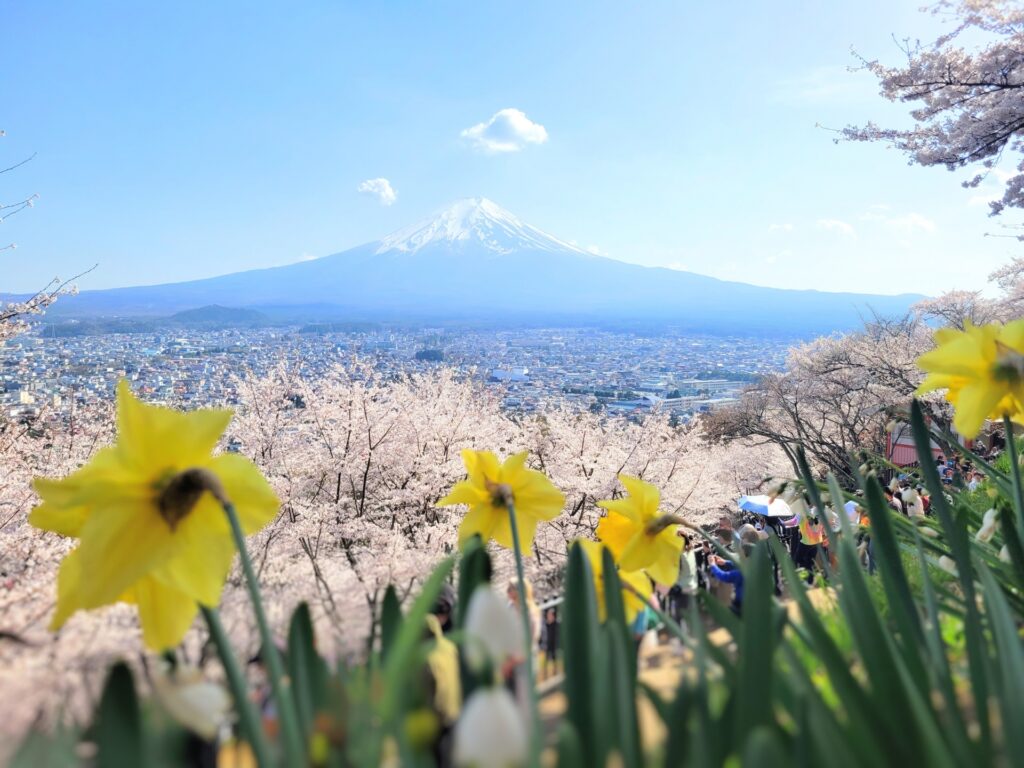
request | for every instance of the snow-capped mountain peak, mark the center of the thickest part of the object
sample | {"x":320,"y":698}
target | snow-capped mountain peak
{"x":478,"y":221}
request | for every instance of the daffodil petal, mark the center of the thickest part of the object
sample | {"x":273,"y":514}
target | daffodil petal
{"x":150,"y":437}
{"x":165,"y":613}
{"x":464,"y":493}
{"x":631,"y":602}
{"x":646,"y":494}
{"x":204,"y":551}
{"x":527,"y":530}
{"x":120,"y":543}
{"x":481,"y":466}
{"x":664,"y":567}
{"x":248,"y":490}
{"x":627,"y":507}
{"x":973,"y":406}
{"x":480,"y":519}
{"x":616,"y":531}
{"x":638,"y":553}
{"x":536,"y":496}
{"x":69,"y":576}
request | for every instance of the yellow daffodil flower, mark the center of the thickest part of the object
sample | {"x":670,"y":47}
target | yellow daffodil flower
{"x":982,"y":370}
{"x":631,"y":602}
{"x":490,"y":489}
{"x":150,"y":529}
{"x":639,"y":537}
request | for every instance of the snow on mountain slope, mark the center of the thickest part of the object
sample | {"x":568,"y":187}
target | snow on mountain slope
{"x":475,"y":221}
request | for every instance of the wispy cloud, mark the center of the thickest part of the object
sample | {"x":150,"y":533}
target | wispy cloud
{"x":905,"y":223}
{"x":787,"y":227}
{"x":836,"y":225}
{"x":825,"y":84}
{"x":380,"y":189}
{"x":508,"y":130}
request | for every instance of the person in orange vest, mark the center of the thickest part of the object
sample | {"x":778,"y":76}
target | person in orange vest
{"x":811,"y":536}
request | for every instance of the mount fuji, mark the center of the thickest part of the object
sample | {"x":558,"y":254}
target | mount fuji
{"x":475,"y":261}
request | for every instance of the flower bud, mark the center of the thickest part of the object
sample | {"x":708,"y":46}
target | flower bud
{"x":1004,"y":554}
{"x":200,"y":706}
{"x":948,"y":564}
{"x":988,"y":527}
{"x":493,"y":631}
{"x":490,"y":733}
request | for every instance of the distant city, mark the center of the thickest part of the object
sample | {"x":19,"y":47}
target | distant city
{"x":615,"y":372}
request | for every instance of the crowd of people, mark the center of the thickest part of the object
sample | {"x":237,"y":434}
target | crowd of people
{"x":715,"y":567}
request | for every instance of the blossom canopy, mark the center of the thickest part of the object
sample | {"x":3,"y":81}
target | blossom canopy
{"x":638,"y":536}
{"x":982,"y":370}
{"x":491,"y":487}
{"x":145,"y":536}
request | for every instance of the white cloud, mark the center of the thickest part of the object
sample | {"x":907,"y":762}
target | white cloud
{"x":508,"y":130}
{"x":835,"y":225}
{"x":907,"y":223}
{"x":595,"y":250}
{"x":912,"y":222}
{"x":787,"y":227}
{"x":379,"y":188}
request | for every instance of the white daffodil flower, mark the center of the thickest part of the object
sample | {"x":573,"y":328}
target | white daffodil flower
{"x":988,"y":527}
{"x":490,"y":733}
{"x":198,"y":705}
{"x":493,"y":630}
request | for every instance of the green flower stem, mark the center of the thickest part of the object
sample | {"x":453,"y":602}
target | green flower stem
{"x":252,"y":728}
{"x":528,"y":637}
{"x":288,"y":718}
{"x":1018,"y":489}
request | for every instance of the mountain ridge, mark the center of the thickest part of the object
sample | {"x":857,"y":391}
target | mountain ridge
{"x":477,"y":261}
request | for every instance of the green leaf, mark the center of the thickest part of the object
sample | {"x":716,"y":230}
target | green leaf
{"x":403,"y":650}
{"x":894,"y":581}
{"x":390,"y":621}
{"x":862,"y":712}
{"x":120,"y":742}
{"x":1009,"y":661}
{"x":955,"y":728}
{"x":756,"y":645}
{"x":308,"y":671}
{"x":956,"y":535}
{"x":570,"y":751}
{"x":474,"y":570}
{"x":677,"y":723}
{"x":764,"y":750}
{"x":40,"y":749}
{"x":614,"y":604}
{"x":579,"y":641}
{"x":621,"y":694}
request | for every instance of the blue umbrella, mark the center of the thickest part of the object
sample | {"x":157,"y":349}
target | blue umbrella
{"x":764,"y":506}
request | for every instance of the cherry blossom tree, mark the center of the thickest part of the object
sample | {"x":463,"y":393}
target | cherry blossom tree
{"x":359,"y":461}
{"x":835,"y":396}
{"x":968,"y":102}
{"x":957,"y":308}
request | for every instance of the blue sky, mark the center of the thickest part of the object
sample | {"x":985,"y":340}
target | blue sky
{"x":183,"y":140}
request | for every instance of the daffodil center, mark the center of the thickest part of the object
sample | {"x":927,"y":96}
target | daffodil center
{"x":178,"y":495}
{"x":501,"y":494}
{"x":1009,"y":365}
{"x":659,"y":524}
